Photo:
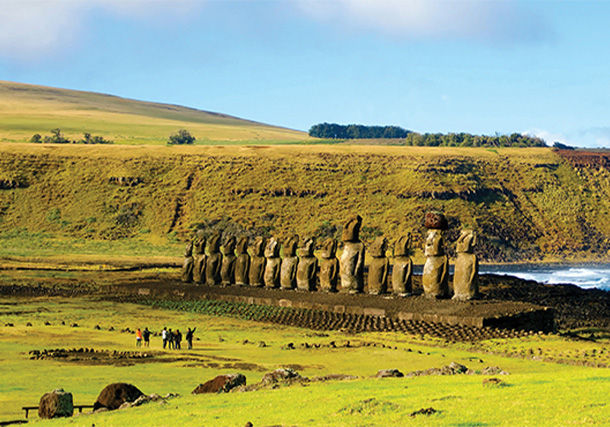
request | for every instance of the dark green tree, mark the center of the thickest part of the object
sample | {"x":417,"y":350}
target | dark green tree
{"x":182,"y":137}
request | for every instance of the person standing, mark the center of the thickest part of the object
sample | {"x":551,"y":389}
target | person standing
{"x":189,"y":337}
{"x":170,"y":339}
{"x":138,"y":338}
{"x":164,"y":336}
{"x":146,"y":336}
{"x":177,"y":339}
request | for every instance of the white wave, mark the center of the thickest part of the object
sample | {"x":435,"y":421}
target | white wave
{"x":586,"y":277}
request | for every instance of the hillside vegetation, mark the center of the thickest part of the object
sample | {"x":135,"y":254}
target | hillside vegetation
{"x":526,"y":204}
{"x":28,"y":109}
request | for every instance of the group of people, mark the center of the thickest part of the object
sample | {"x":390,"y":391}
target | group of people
{"x":171,"y":339}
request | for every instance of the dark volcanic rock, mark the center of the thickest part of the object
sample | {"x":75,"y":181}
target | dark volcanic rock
{"x":114,"y":395}
{"x":389,"y":373}
{"x":55,"y":404}
{"x":221,"y":384}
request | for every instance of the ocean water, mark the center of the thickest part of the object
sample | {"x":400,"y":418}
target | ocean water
{"x":586,"y":276}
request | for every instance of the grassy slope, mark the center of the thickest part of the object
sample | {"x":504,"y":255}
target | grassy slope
{"x":526,"y":204}
{"x":29,"y":109}
{"x":536,"y":392}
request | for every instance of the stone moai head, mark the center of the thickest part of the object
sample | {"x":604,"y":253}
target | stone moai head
{"x":306,"y":250}
{"x":272,"y":250}
{"x":379,"y":247}
{"x":329,"y":248}
{"x":402,"y":245}
{"x":351,"y":229}
{"x":466,"y":242}
{"x":258,"y":247}
{"x":214,"y":242}
{"x":290,"y":247}
{"x":435,"y":243}
{"x":188,"y":251}
{"x":242,"y":245}
{"x":229,"y":246}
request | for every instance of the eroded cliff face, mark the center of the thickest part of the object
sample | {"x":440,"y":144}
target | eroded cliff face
{"x":525,"y":204}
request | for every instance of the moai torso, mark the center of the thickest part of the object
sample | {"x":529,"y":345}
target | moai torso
{"x":257,"y":262}
{"x":273,"y":264}
{"x":352,"y":258}
{"x":242,"y":263}
{"x":466,"y":275}
{"x":187,"y":266}
{"x":288,"y":273}
{"x":214,"y":262}
{"x":402,"y":272}
{"x":199,"y":258}
{"x":435,"y":279}
{"x":227,"y":270}
{"x":329,"y":267}
{"x":379,"y":267}
{"x":308,"y":267}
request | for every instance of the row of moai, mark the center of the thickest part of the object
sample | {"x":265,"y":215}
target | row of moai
{"x":300,"y":269}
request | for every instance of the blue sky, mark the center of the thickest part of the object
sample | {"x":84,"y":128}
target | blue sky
{"x":478,"y":66}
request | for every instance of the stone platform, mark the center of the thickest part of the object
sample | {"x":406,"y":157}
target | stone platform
{"x":473,"y":314}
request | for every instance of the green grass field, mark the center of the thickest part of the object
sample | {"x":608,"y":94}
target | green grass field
{"x":29,"y":109}
{"x":536,"y":393}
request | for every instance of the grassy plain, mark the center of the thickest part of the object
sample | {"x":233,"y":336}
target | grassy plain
{"x":29,"y":109}
{"x":536,"y":393}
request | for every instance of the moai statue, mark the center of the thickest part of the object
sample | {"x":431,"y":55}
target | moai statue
{"x":227,"y":269}
{"x":435,"y":279}
{"x":402,"y":272}
{"x":466,"y":275}
{"x":308,"y":266}
{"x":199,"y":258}
{"x":379,"y":267}
{"x":288,"y":273}
{"x":214,"y":263}
{"x":273,"y":264}
{"x":187,"y":266}
{"x":352,"y":258}
{"x":257,"y":262}
{"x":242,"y":263}
{"x":329,"y":267}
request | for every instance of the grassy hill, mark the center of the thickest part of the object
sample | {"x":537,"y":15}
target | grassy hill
{"x":29,"y":109}
{"x":526,"y":204}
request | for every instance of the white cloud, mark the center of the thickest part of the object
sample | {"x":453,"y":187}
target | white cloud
{"x":500,"y":20}
{"x":34,"y":28}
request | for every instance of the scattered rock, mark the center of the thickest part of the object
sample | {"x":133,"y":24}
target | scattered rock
{"x":281,"y":375}
{"x":221,"y":384}
{"x":492,"y":381}
{"x":493,"y":370}
{"x":389,"y":373}
{"x":56,"y":404}
{"x":453,"y":368}
{"x":114,"y":395}
{"x":424,"y":411}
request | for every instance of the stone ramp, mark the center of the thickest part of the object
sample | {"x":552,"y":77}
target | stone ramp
{"x":361,"y":312}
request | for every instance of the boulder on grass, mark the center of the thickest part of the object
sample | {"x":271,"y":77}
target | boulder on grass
{"x":114,"y":395}
{"x":389,"y":373}
{"x":56,"y":404}
{"x":221,"y":384}
{"x":280,"y":376}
